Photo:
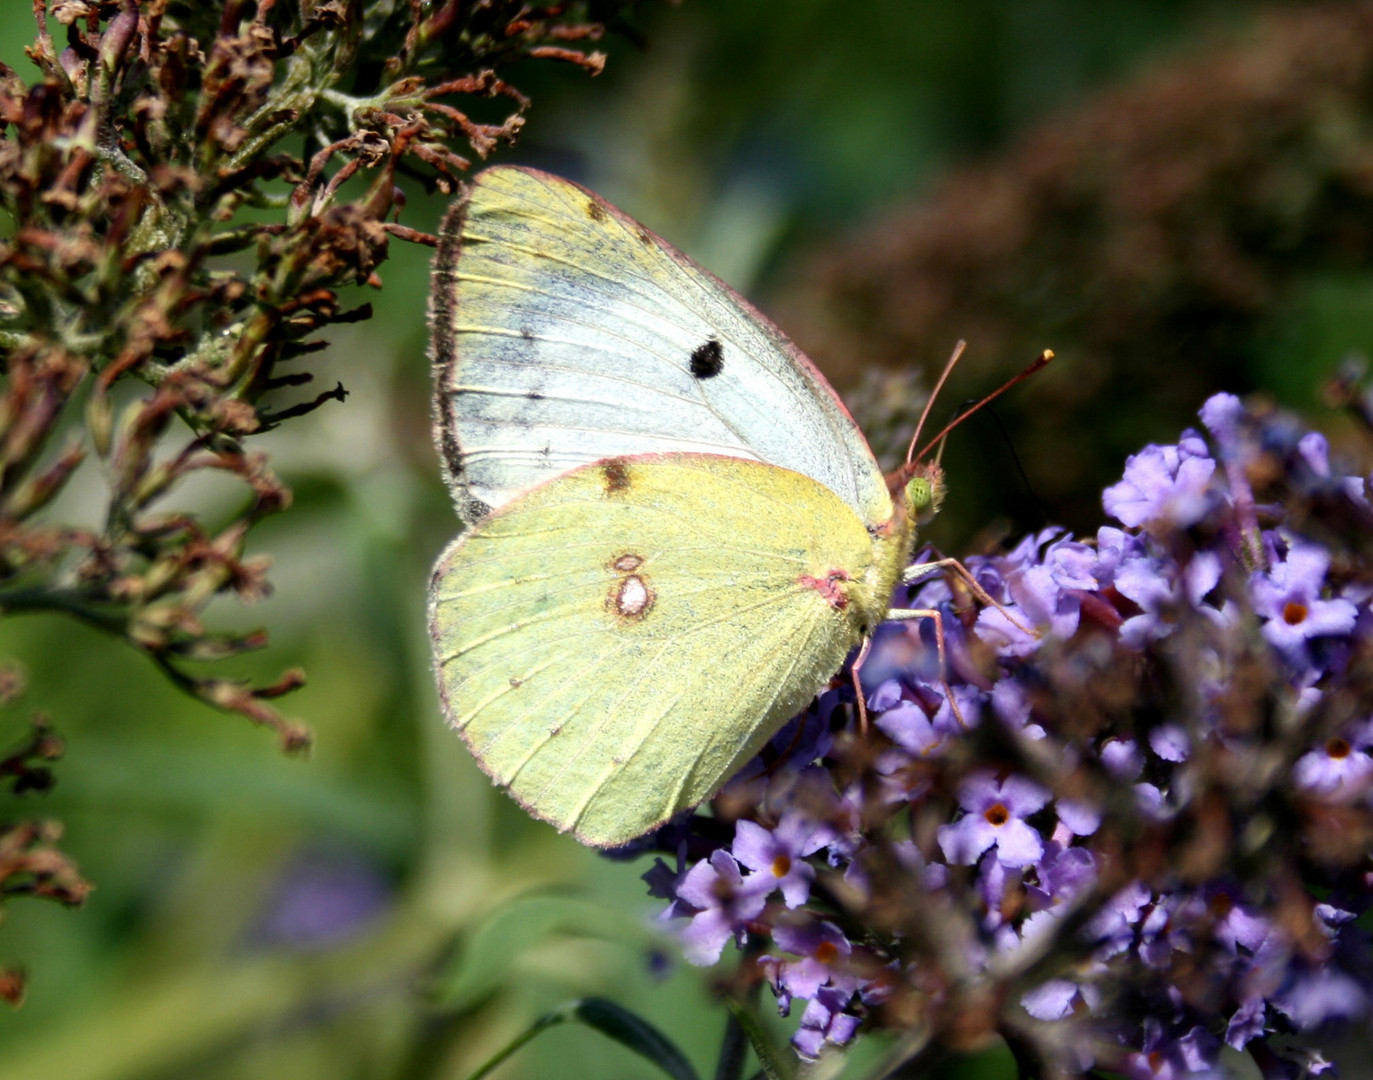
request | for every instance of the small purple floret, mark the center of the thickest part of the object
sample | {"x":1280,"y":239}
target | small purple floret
{"x":995,"y":813}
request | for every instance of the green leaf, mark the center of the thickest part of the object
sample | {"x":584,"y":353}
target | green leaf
{"x":612,"y":1020}
{"x":635,"y":1032}
{"x":778,"y":1063}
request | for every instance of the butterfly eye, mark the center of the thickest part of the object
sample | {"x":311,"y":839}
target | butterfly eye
{"x":924,"y":493}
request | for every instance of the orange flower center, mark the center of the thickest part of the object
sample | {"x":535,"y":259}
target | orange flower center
{"x":781,"y":866}
{"x":1294,"y":613}
{"x":998,"y":814}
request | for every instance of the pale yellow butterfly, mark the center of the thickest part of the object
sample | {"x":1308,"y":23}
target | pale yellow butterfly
{"x":676,"y":532}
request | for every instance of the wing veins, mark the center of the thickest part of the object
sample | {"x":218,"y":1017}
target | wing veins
{"x":647,"y":669}
{"x":574,"y":587}
{"x":611,"y":654}
{"x":472,"y":388}
{"x":599,"y":543}
{"x":711,"y":298}
{"x":812,"y":624}
{"x":502,"y":451}
{"x":656,"y":310}
{"x":461,"y":724}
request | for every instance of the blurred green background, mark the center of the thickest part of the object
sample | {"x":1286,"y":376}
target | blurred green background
{"x":257,"y":916}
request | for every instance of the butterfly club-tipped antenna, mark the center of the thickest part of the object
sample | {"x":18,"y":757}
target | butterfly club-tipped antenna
{"x":1038,"y":363}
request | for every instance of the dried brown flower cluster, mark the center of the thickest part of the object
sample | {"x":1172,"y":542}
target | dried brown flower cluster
{"x":31,"y":864}
{"x":1144,"y":237}
{"x":159,"y":137}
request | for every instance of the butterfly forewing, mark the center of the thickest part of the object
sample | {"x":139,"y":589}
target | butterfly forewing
{"x":615,"y":643}
{"x":565,"y":332}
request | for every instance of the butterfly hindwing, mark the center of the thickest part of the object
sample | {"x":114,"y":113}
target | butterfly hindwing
{"x":564,"y":332}
{"x":614,"y":643}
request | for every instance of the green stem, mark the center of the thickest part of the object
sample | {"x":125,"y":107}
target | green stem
{"x":733,"y":1049}
{"x":544,"y":1022}
{"x":68,"y":602}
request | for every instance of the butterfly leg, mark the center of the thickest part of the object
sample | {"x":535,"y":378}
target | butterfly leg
{"x":907,"y":614}
{"x":915,"y":573}
{"x":857,"y":666}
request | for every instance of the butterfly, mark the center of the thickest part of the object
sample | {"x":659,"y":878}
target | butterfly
{"x":676,"y":532}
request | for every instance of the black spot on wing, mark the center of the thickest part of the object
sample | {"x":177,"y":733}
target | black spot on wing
{"x":595,"y":211}
{"x":708,"y":359}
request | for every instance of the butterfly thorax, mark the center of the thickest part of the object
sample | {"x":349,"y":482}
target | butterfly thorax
{"x":917,"y":491}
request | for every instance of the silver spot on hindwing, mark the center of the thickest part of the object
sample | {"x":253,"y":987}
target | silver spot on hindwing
{"x":630,"y":596}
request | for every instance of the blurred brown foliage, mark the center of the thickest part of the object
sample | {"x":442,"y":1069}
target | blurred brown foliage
{"x":160,"y":137}
{"x":1144,"y":237}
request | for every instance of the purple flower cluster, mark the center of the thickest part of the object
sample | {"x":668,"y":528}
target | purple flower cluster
{"x":1141,"y":838}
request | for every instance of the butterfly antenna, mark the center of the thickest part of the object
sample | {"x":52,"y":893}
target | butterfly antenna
{"x":929,"y":401}
{"x":963,"y":410}
{"x":1035,"y":365}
